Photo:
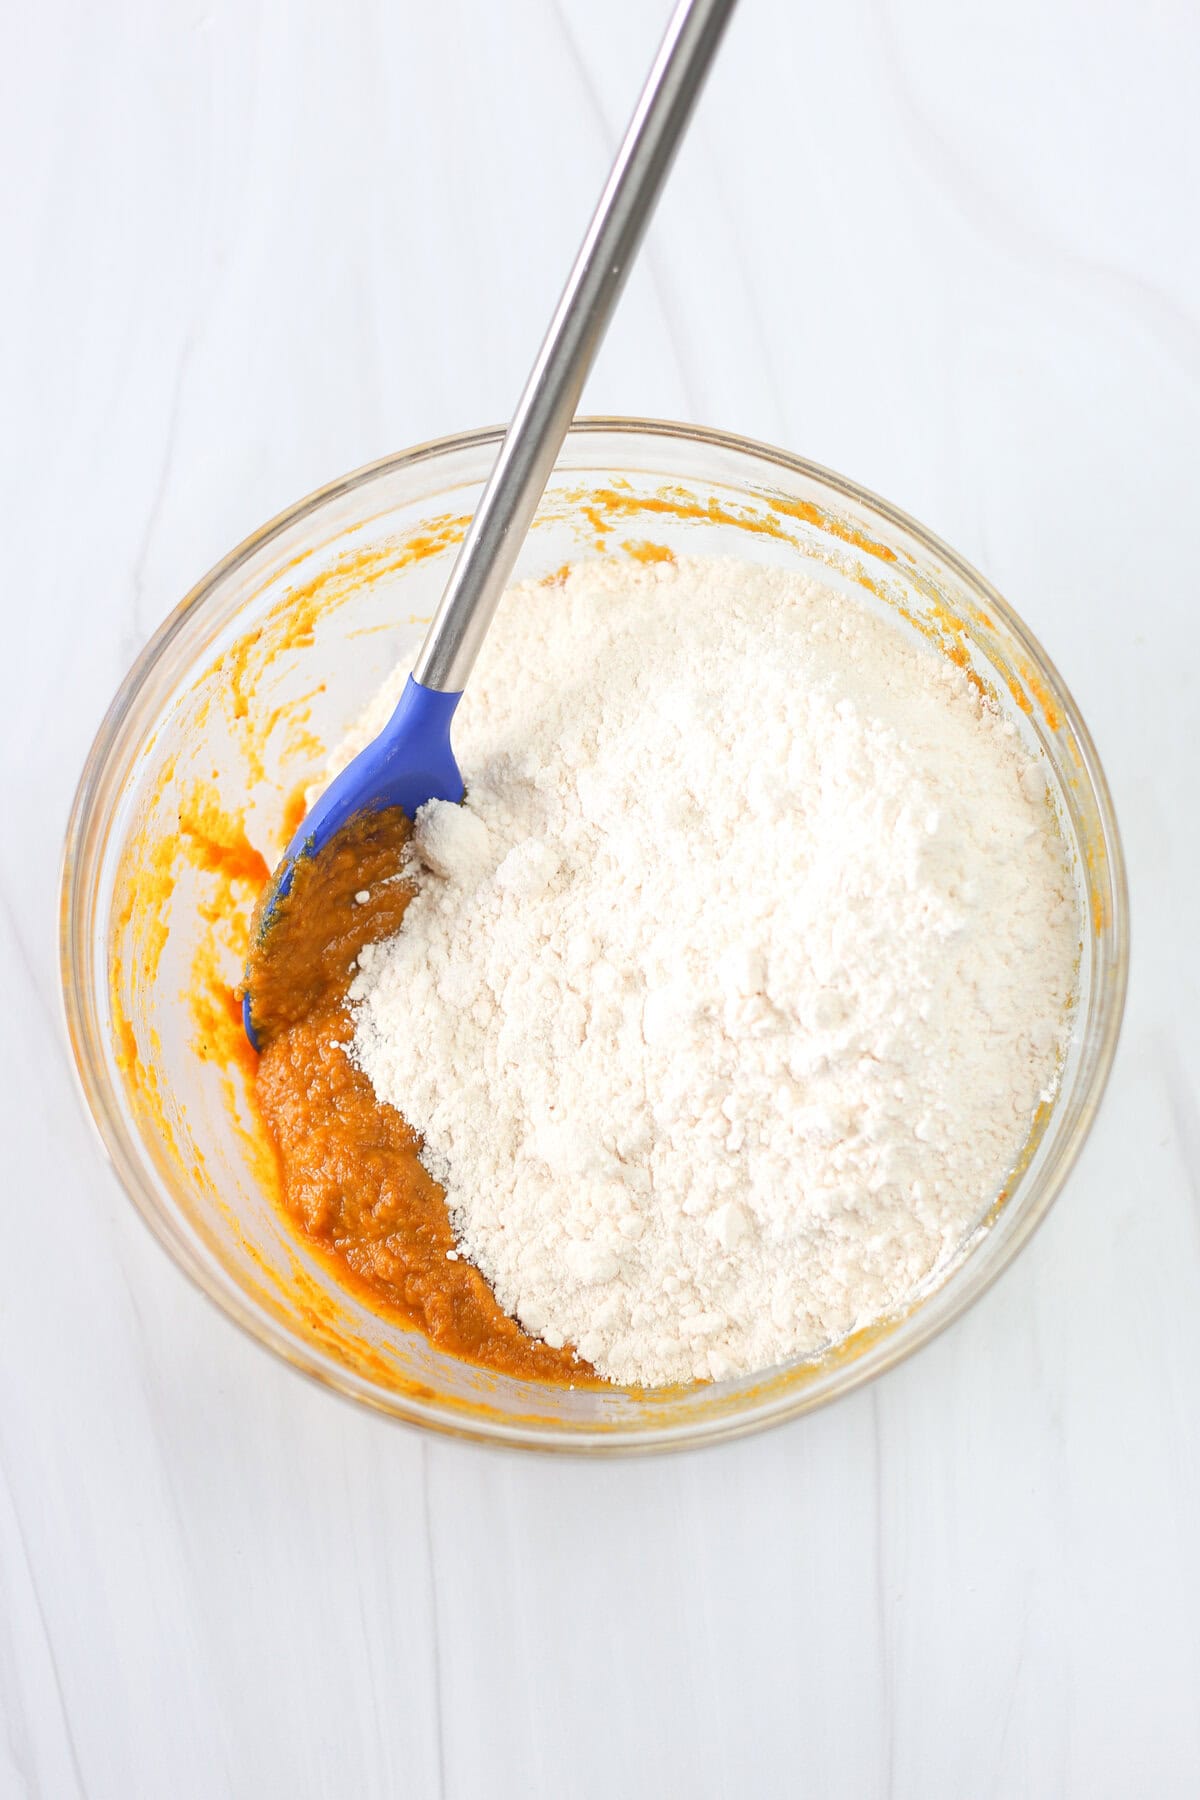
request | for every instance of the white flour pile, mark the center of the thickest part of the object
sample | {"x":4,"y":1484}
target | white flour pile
{"x":728,"y":997}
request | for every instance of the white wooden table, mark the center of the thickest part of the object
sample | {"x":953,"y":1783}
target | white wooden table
{"x":950,"y":250}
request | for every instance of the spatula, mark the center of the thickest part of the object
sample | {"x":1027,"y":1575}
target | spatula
{"x":411,"y":761}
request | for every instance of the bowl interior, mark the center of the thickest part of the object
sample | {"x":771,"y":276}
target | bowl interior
{"x":185,"y":801}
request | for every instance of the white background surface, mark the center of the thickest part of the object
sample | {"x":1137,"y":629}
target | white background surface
{"x":948,"y":249}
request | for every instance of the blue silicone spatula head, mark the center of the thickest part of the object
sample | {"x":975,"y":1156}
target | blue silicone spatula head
{"x":411,"y":761}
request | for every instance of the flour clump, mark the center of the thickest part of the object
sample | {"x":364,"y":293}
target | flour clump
{"x":726,"y":1001}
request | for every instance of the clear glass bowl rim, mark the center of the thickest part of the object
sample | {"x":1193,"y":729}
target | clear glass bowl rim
{"x":80,"y":852}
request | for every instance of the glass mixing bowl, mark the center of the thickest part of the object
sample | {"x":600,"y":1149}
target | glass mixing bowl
{"x":231,"y":707}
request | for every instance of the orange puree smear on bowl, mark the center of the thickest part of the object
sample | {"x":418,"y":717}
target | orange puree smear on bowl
{"x":350,"y":1167}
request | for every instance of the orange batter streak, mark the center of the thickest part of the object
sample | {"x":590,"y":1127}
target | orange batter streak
{"x":350,"y":1170}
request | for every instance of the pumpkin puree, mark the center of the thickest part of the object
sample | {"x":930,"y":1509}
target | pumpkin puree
{"x":350,"y":1166}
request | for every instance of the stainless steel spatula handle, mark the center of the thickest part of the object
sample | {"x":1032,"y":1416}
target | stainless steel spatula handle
{"x":551,"y":395}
